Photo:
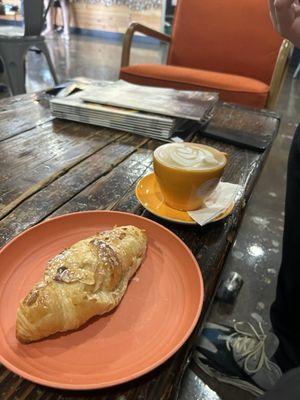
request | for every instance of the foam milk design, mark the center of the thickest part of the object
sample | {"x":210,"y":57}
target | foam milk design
{"x":187,"y":156}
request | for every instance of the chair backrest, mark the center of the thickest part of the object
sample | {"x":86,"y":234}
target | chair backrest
{"x":231,"y":36}
{"x":33,"y":17}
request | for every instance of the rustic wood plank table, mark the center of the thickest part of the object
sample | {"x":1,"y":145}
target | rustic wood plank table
{"x":50,"y":167}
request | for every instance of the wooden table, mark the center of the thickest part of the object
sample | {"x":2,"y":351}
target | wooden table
{"x":50,"y":167}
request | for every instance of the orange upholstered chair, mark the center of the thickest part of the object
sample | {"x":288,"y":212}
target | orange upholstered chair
{"x":228,"y":46}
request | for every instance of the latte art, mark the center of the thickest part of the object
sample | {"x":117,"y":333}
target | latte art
{"x":187,"y":156}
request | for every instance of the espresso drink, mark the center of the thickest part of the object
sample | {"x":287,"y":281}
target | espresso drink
{"x":188,"y":156}
{"x":187,"y":173}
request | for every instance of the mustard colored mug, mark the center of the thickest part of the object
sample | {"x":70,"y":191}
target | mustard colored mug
{"x":187,"y":173}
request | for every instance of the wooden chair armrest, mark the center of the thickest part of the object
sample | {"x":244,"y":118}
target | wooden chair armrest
{"x":279,"y":72}
{"x":136,"y":27}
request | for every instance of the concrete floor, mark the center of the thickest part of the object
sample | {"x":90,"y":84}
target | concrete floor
{"x":86,"y":56}
{"x":257,"y":251}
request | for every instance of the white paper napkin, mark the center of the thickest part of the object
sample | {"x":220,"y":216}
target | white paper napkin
{"x":217,"y":202}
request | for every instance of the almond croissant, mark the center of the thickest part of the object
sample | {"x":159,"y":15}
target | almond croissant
{"x":87,"y":279}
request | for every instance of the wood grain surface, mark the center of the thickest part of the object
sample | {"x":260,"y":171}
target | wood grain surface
{"x":92,"y":15}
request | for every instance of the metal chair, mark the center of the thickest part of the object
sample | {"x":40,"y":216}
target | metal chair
{"x":297,"y":70}
{"x":13,"y":49}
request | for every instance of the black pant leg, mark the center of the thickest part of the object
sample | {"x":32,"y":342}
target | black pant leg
{"x":287,"y":388}
{"x":285,"y":311}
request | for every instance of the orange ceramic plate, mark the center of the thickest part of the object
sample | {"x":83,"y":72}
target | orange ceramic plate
{"x":156,"y":316}
{"x":150,"y":196}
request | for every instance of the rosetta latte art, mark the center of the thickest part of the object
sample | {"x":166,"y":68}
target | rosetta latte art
{"x":187,"y":156}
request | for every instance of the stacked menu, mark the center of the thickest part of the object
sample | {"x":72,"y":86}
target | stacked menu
{"x":148,"y":111}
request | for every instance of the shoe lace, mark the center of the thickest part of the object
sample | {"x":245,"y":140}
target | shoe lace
{"x":249,"y":343}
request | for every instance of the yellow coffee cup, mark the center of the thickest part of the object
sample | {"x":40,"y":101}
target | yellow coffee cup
{"x":187,"y":173}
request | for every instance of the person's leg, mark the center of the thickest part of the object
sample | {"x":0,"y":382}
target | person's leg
{"x":286,"y":388}
{"x":66,"y":17}
{"x":284,"y":311}
{"x":49,"y":18}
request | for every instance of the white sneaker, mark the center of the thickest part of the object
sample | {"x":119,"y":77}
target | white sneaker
{"x":238,"y":355}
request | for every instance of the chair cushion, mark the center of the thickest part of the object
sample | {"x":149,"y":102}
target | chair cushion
{"x":231,"y":88}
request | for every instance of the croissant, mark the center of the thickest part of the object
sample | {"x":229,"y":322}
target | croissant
{"x":87,"y":279}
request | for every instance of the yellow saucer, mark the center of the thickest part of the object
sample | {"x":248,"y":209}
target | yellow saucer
{"x":149,"y":195}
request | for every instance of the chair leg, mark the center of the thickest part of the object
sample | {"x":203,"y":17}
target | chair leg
{"x":3,"y":75}
{"x":14,"y":68}
{"x":43,"y":47}
{"x":295,"y":76}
